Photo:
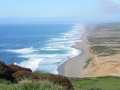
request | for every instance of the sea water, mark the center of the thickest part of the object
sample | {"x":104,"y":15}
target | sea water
{"x":39,"y":46}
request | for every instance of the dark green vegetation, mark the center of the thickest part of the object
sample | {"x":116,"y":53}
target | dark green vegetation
{"x":116,"y":30}
{"x":101,"y":45}
{"x":105,"y":39}
{"x":99,"y":83}
{"x":104,"y":50}
{"x":87,"y":62}
{"x":13,"y":77}
{"x":50,"y":82}
{"x":29,"y":85}
{"x":25,"y":79}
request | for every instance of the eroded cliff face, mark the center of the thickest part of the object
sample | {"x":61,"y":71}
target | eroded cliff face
{"x":102,"y":66}
{"x":104,"y":48}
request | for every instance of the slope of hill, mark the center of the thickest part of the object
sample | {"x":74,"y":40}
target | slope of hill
{"x":104,"y":47}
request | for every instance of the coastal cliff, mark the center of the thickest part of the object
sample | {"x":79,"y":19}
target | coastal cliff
{"x":104,"y":48}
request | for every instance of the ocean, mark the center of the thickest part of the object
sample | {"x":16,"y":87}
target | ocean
{"x":39,"y":46}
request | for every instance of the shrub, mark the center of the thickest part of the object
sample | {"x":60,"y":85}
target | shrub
{"x":87,"y":62}
{"x":6,"y":72}
{"x":31,"y":85}
{"x":61,"y":80}
{"x":4,"y":68}
{"x":20,"y":75}
{"x":99,"y":49}
{"x":41,"y":75}
{"x":16,"y":68}
{"x":94,"y":89}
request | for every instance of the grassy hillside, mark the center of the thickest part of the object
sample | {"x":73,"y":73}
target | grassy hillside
{"x":43,"y":82}
{"x":99,"y":83}
{"x":29,"y":85}
{"x":14,"y":77}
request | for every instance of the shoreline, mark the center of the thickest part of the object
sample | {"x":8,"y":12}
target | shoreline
{"x":104,"y":48}
{"x":73,"y":66}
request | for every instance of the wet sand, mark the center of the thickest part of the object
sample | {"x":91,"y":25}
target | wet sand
{"x":73,"y":66}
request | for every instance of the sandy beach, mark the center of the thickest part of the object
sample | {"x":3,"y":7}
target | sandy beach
{"x":74,"y":66}
{"x":104,"y":48}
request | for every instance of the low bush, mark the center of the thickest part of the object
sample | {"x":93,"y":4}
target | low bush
{"x":99,"y":49}
{"x":31,"y":85}
{"x":61,"y":80}
{"x":16,"y":68}
{"x":6,"y":72}
{"x":17,"y":73}
{"x":56,"y":79}
{"x":21,"y":75}
{"x":42,"y":76}
{"x":87,"y":62}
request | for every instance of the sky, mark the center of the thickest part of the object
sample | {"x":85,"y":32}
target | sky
{"x":74,"y":10}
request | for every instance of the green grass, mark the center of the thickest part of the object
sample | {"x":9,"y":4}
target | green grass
{"x":94,"y":40}
{"x":115,"y":24}
{"x":116,"y":30}
{"x":112,"y":52}
{"x":102,"y":40}
{"x":87,"y":62}
{"x":100,"y":83}
{"x":104,"y":50}
{"x":30,"y":85}
{"x":116,"y":46}
{"x":99,"y":49}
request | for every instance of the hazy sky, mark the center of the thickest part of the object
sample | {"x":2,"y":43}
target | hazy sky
{"x":75,"y":9}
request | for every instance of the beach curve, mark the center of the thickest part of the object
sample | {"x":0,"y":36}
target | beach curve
{"x":73,"y":66}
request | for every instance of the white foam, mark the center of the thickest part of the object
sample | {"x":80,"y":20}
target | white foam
{"x":53,"y":60}
{"x":49,"y":48}
{"x":15,"y":63}
{"x":22,"y":51}
{"x":48,"y":68}
{"x":50,"y":62}
{"x":38,"y":55}
{"x":60,"y":42}
{"x":31,"y":63}
{"x":75,"y":52}
{"x":58,"y":39}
